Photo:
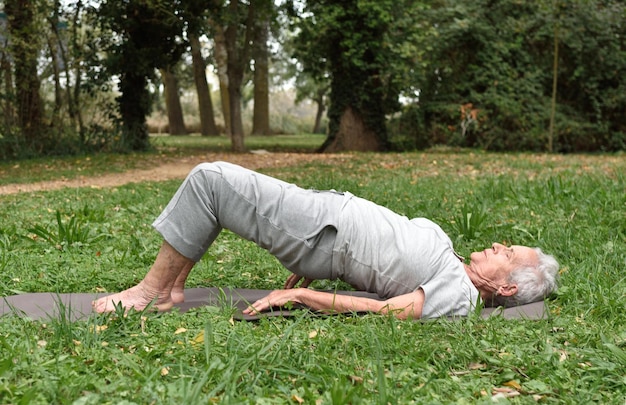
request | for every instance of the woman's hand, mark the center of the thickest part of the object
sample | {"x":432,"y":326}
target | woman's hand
{"x":277,"y":298}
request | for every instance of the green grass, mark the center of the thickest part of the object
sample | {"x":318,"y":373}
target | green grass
{"x":91,"y":240}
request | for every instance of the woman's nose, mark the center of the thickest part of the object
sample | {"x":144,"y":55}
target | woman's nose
{"x":497,"y":246}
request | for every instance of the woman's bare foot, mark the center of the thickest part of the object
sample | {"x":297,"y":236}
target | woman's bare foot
{"x":138,"y":297}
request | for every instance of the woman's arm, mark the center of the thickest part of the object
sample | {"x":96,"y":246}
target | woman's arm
{"x":407,"y":306}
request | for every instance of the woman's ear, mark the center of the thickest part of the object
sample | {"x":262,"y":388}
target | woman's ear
{"x":507,"y":290}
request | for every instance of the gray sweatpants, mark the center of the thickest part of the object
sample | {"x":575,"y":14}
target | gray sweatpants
{"x":297,"y":226}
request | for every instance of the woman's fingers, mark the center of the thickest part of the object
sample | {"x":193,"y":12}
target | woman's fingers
{"x":276,"y":298}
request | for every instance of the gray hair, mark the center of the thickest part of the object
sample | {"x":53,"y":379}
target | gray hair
{"x":533,"y":283}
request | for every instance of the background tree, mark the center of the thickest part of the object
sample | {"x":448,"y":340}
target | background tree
{"x":316,"y":91}
{"x":473,"y":74}
{"x":150,"y":37}
{"x":499,"y":57}
{"x":220,"y":55}
{"x":260,"y":55}
{"x":23,"y":22}
{"x":175,"y":119}
{"x":349,"y":40}
{"x":205,"y":104}
{"x":195,"y":14}
{"x":239,"y":21}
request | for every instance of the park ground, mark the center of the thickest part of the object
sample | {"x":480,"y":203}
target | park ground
{"x":82,"y":224}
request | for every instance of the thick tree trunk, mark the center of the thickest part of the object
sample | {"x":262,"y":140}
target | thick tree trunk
{"x":221,"y":61}
{"x":172,"y":103}
{"x":352,"y":135}
{"x":24,"y":49}
{"x":134,"y":105}
{"x":205,"y":105}
{"x":261,"y":118}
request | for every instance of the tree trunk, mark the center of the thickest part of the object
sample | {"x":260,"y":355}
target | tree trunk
{"x":8,"y":108}
{"x":221,"y":59}
{"x":58,"y":100}
{"x":261,"y":118}
{"x":205,"y":105}
{"x":172,"y":103}
{"x":134,"y":105}
{"x":236,"y":122}
{"x":237,"y":61}
{"x":25,"y":49}
{"x":352,"y":135}
{"x":319,"y":100}
{"x":73,"y":101}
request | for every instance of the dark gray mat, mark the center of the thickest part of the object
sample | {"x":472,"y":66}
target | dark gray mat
{"x":76,"y":306}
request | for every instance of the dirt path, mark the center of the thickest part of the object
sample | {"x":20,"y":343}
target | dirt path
{"x":171,"y":170}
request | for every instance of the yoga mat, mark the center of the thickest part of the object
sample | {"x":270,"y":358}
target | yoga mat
{"x":75,"y":306}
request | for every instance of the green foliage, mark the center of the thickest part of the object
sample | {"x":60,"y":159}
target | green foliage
{"x":495,"y":60}
{"x":149,"y":37}
{"x":469,"y":221}
{"x":73,"y":232}
{"x":358,"y":44}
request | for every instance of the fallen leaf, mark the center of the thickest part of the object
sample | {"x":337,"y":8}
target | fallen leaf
{"x":297,"y":399}
{"x":312,"y":334}
{"x":180,"y":330}
{"x":199,"y":339}
{"x":513,"y":384}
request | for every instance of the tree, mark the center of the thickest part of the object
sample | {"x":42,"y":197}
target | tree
{"x":238,"y":37}
{"x":196,"y":14}
{"x":25,"y":46}
{"x":308,"y":86}
{"x":500,"y":57}
{"x":6,"y":70}
{"x":174,"y":110}
{"x":260,"y":54}
{"x":221,"y":65}
{"x":362,"y":46}
{"x":150,"y":37}
{"x":205,"y":105}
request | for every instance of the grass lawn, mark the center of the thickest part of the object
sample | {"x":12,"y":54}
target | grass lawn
{"x":85,"y":240}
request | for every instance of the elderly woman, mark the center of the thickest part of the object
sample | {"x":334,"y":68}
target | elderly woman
{"x":410,"y":264}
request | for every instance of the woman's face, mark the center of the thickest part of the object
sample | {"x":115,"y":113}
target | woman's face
{"x":490,"y":268}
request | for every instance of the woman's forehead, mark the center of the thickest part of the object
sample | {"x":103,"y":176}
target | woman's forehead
{"x":525,"y":254}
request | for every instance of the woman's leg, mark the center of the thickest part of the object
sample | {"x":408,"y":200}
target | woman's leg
{"x":295,"y":225}
{"x":156,"y":287}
